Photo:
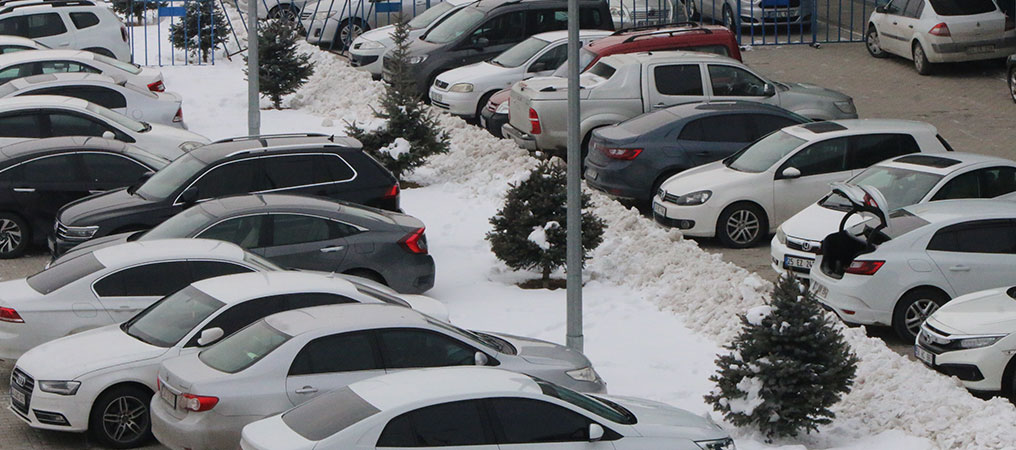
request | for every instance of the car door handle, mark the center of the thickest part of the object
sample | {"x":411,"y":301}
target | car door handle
{"x":960,"y":268}
{"x":306,"y":390}
{"x":24,"y":189}
{"x":910,"y":26}
{"x":333,"y":249}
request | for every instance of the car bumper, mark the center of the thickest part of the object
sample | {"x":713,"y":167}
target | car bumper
{"x":780,"y":255}
{"x":368,"y":61}
{"x":414,"y":276}
{"x":979,"y":369}
{"x":493,"y":122}
{"x":697,"y":220}
{"x":58,"y":412}
{"x":948,"y":51}
{"x":459,"y":103}
{"x":836,"y":296}
{"x":196,"y":430}
{"x":613,"y":182}
{"x":320,"y":32}
{"x":522,"y":139}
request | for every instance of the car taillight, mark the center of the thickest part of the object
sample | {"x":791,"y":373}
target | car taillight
{"x":123,"y":33}
{"x":940,"y":30}
{"x":392,"y":192}
{"x":158,"y":384}
{"x":179,"y":115}
{"x":626,"y":154}
{"x":864,"y":267}
{"x":534,"y":122}
{"x":415,"y":242}
{"x":10,"y":315}
{"x":199,"y":403}
{"x":157,"y":86}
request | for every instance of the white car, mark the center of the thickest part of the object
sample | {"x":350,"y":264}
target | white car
{"x":41,"y":116}
{"x":13,"y":44}
{"x":116,"y":94}
{"x":525,"y":412}
{"x":23,"y":64}
{"x":335,"y":23}
{"x":743,"y":198}
{"x":938,"y":31}
{"x":464,"y":91}
{"x":927,"y":254}
{"x":369,"y":47}
{"x":285,"y":359}
{"x":972,"y":338}
{"x":905,"y":180}
{"x":81,"y":25}
{"x":82,"y":382}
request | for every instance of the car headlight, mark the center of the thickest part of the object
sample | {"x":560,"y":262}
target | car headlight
{"x":978,"y":342}
{"x":717,"y":444}
{"x":502,"y":108}
{"x":367,"y":45}
{"x":847,"y":107}
{"x":417,"y":59}
{"x":781,"y":237}
{"x":190,"y":145}
{"x":60,"y":387}
{"x":694,"y":198}
{"x":583,"y":374}
{"x":79,"y":232}
{"x":461,"y":87}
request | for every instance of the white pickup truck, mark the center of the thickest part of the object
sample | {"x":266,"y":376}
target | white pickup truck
{"x":620,"y":87}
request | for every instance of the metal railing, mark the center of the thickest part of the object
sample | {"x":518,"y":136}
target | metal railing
{"x":151,"y":24}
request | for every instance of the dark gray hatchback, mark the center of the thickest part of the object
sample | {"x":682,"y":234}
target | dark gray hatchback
{"x":631,"y":159}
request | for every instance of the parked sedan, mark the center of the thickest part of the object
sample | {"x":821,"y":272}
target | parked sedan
{"x":633,"y":158}
{"x":743,"y":198}
{"x":40,"y":116}
{"x":303,"y":232}
{"x":526,"y":412}
{"x":903,"y":181}
{"x":102,"y":380}
{"x":12,"y":44}
{"x":117,"y":95}
{"x":24,"y":64}
{"x":285,"y":359}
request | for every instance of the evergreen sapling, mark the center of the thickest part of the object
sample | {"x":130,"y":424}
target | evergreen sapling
{"x":281,"y":70}
{"x":202,"y":29}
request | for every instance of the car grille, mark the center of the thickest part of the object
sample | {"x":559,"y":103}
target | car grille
{"x":933,"y":344}
{"x":23,"y":383}
{"x":439,"y":104}
{"x":803,"y":245}
{"x":357,"y":61}
{"x":441,"y":84}
{"x":667,"y":197}
{"x":60,"y":230}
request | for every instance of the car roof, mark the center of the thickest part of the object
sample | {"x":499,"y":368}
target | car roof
{"x":642,"y":35}
{"x":554,"y":36}
{"x":43,"y":55}
{"x":48,"y":4}
{"x":848,"y":127}
{"x":251,"y":203}
{"x":237,"y":288}
{"x":345,"y":316}
{"x":964,"y":209}
{"x":30,"y":147}
{"x":65,"y":77}
{"x":130,"y":253}
{"x":400,"y":389}
{"x":944,"y":163}
{"x":225,"y":148}
{"x":666,"y":56}
{"x":42,"y":101}
{"x":7,"y":39}
{"x":693,"y":109}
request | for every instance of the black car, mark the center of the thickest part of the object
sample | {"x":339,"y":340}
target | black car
{"x":308,"y":164}
{"x":38,"y":177}
{"x":483,"y":30}
{"x":631,"y":159}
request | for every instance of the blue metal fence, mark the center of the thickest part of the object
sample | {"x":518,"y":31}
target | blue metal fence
{"x":150,"y":24}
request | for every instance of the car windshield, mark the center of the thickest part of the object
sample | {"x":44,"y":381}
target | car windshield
{"x":64,"y":272}
{"x":601,"y":407}
{"x":169,"y":179}
{"x":901,"y":187}
{"x":460,"y":22}
{"x":520,"y":53}
{"x":167,"y":321}
{"x":124,"y":66}
{"x":424,"y":19}
{"x":183,"y":225}
{"x":585,"y":57}
{"x":765,"y":152}
{"x":122,"y":120}
{"x":962,"y":7}
{"x":244,"y":348}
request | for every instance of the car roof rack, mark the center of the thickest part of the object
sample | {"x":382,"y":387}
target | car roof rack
{"x":668,"y":33}
{"x":657,"y":27}
{"x":54,"y":4}
{"x":262,"y":137}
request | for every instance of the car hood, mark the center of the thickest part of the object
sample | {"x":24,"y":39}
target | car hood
{"x":381,"y":35}
{"x":419,"y":47}
{"x":549,"y":88}
{"x":17,"y":292}
{"x":427,"y":305}
{"x":481,"y":71}
{"x":811,"y":90}
{"x":713,"y":176}
{"x":100,"y":207}
{"x":165,"y":140}
{"x":816,"y":222}
{"x":655,"y":419}
{"x":540,"y":352}
{"x":985,"y":312}
{"x":63,"y":359}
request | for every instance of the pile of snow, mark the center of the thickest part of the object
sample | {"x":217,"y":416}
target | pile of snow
{"x":397,"y":148}
{"x":539,"y":234}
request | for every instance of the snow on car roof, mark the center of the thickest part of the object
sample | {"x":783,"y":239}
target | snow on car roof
{"x":404,"y":388}
{"x":24,"y":82}
{"x":130,"y":253}
{"x":350,"y":316}
{"x":236,"y":288}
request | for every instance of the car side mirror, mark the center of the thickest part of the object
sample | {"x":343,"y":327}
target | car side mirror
{"x":480,"y":359}
{"x":108,"y":135}
{"x":538,"y":67}
{"x":141,"y":180}
{"x":189,"y":196}
{"x":210,"y":335}
{"x":790,"y":173}
{"x":880,"y":9}
{"x":481,"y":43}
{"x":769,"y":90}
{"x":595,"y":432}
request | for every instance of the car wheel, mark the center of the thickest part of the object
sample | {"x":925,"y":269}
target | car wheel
{"x":742,"y":225}
{"x":1012,"y":84}
{"x":728,"y":18}
{"x":120,"y":417}
{"x":692,"y":10}
{"x":921,"y":64}
{"x":873,"y":44}
{"x":14,"y":236}
{"x":289,"y":13}
{"x":349,"y":30}
{"x":913,"y":309}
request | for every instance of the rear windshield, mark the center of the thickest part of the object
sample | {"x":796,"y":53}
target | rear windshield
{"x":328,"y":414}
{"x":901,"y":222}
{"x":183,"y":225}
{"x":65,"y":272}
{"x":962,"y":7}
{"x":125,"y":66}
{"x":648,"y":122}
{"x":901,"y":187}
{"x":585,"y":57}
{"x":242,"y":349}
{"x":603,"y":408}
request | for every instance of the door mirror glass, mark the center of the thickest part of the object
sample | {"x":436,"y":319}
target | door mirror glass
{"x":210,"y":335}
{"x":769,"y":90}
{"x":189,"y":196}
{"x":595,"y":432}
{"x":791,"y":172}
{"x":481,"y":43}
{"x":480,"y":359}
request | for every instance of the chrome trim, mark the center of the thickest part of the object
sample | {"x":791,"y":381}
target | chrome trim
{"x":358,"y":227}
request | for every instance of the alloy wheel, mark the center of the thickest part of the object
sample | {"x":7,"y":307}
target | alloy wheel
{"x":350,"y":31}
{"x":872,"y":42}
{"x":743,"y":226}
{"x":286,"y":13}
{"x":125,"y":419}
{"x":728,"y":18}
{"x":10,"y":235}
{"x":917,"y":313}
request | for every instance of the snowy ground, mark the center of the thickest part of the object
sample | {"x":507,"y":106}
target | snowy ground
{"x":657,"y":307}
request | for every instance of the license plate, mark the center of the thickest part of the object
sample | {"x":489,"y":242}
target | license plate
{"x":818,"y":290}
{"x":168,"y":397}
{"x":793,"y":262}
{"x":18,"y":397}
{"x":924,"y":355}
{"x":436,"y":97}
{"x":777,"y":14}
{"x":981,"y":49}
{"x":659,"y":209}
{"x":591,"y":174}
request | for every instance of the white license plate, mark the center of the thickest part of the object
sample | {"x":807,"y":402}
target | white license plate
{"x":777,"y":14}
{"x":168,"y":397}
{"x":18,"y":397}
{"x":659,"y":209}
{"x":436,"y":97}
{"x":818,"y":290}
{"x":798,"y":263}
{"x":981,"y":49}
{"x":924,"y":355}
{"x":591,"y":174}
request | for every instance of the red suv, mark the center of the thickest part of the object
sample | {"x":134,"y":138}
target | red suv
{"x":682,"y":36}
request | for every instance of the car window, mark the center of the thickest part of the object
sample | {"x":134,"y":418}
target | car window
{"x":678,"y":79}
{"x":171,"y":177}
{"x":301,"y":170}
{"x":530,"y":421}
{"x":14,"y":26}
{"x":962,"y":7}
{"x":735,"y":81}
{"x":5,"y":49}
{"x":997,"y":181}
{"x":242,"y":314}
{"x":291,"y":229}
{"x":822,"y":157}
{"x":64,"y":66}
{"x":914,"y":9}
{"x":347,"y":352}
{"x":962,"y":186}
{"x":983,"y":236}
{"x":590,"y":18}
{"x":761,"y":155}
{"x":895,"y":7}
{"x":242,"y":349}
{"x":448,"y":424}
{"x":65,"y":124}
{"x":64,"y":272}
{"x":99,"y":95}
{"x":552,"y":59}
{"x":425,"y":18}
{"x":84,"y":19}
{"x":319,"y":418}
{"x":42,"y":25}
{"x":112,"y":170}
{"x":542,"y":20}
{"x":243,"y":231}
{"x":168,"y":320}
{"x":409,"y":348}
{"x":767,"y":123}
{"x":202,"y":270}
{"x":507,"y":28}
{"x":20,"y":125}
{"x":871,"y":149}
{"x":52,"y":170}
{"x":720,"y":128}
{"x":238,"y":177}
{"x":146,"y":280}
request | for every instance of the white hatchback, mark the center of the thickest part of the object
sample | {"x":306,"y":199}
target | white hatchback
{"x":743,"y":198}
{"x":937,"y":31}
{"x":81,"y":24}
{"x":905,"y":180}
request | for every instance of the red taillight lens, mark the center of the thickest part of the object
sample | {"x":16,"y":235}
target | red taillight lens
{"x":626,"y":154}
{"x":198,"y":403}
{"x":393,"y":192}
{"x":179,"y":115}
{"x":534,"y":122}
{"x":157,"y":86}
{"x":158,"y":384}
{"x":415,"y":242}
{"x":864,"y":267}
{"x":10,"y":315}
{"x":123,"y":33}
{"x":940,"y":30}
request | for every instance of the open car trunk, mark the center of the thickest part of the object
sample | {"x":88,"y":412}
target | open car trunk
{"x":839,"y":249}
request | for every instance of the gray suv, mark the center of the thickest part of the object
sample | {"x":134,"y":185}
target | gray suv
{"x":481,"y":31}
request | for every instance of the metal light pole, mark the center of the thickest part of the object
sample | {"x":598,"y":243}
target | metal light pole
{"x":574,"y":230}
{"x":253,"y":105}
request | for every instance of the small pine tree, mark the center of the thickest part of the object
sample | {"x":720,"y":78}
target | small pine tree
{"x":202,"y":29}
{"x":281,"y":70}
{"x":786,"y":368}
{"x":406,"y":116}
{"x":134,"y":10}
{"x":530,"y":229}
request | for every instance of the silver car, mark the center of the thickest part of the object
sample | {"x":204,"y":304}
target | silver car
{"x":753,"y":13}
{"x":205,"y":399}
